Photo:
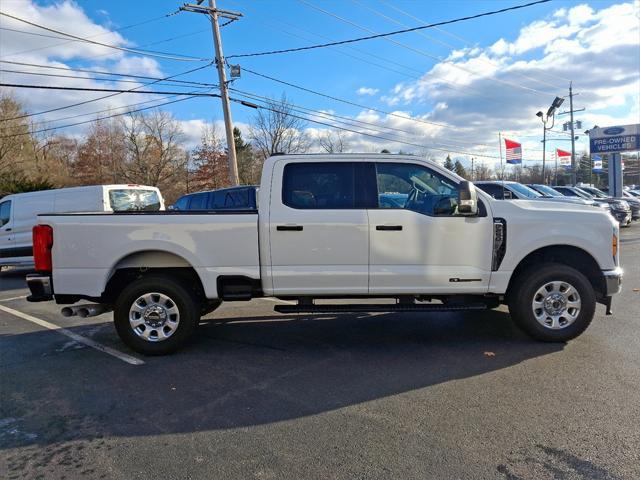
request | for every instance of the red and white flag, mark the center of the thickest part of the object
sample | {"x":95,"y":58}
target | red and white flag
{"x":564,"y":158}
{"x":514,"y":151}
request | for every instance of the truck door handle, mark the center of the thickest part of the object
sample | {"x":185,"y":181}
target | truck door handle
{"x":389,"y":227}
{"x":7,"y":229}
{"x":289,"y":228}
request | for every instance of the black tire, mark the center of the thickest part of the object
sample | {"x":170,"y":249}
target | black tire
{"x":187,"y":306}
{"x":525,"y":288}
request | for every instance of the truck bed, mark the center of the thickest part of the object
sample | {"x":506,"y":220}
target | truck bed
{"x":212,"y":242}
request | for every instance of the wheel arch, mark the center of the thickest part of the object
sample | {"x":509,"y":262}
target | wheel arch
{"x":151,"y":262}
{"x":569,"y":255}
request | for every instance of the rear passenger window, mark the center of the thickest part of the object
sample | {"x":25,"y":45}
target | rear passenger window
{"x":319,"y":185}
{"x":199,"y":201}
{"x":5,"y":212}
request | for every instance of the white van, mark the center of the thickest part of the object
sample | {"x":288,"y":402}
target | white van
{"x":19,"y":212}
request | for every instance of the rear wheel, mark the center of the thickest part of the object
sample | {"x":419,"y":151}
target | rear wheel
{"x":155,"y":315}
{"x":552,"y":302}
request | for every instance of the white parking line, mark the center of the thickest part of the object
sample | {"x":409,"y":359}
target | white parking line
{"x":12,"y":298}
{"x":78,"y":338}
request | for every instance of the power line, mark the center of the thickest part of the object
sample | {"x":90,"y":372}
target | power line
{"x":24,"y":72}
{"x":348,"y":102}
{"x":344,"y":120}
{"x":149,"y":53}
{"x":464,"y":41}
{"x":45,"y":122}
{"x":423,"y":53}
{"x":106,"y":96}
{"x":275,"y":110}
{"x":104,"y":118}
{"x":81,"y":89}
{"x":388,"y":34}
{"x":115,"y":74}
{"x":23,"y":52}
{"x":431,"y":39}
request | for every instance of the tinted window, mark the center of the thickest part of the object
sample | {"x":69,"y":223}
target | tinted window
{"x":231,"y":198}
{"x":524,"y":190}
{"x":199,"y":201}
{"x":5,"y":212}
{"x":494,"y":190}
{"x":181,"y":203}
{"x":319,"y":185}
{"x":415,"y":187}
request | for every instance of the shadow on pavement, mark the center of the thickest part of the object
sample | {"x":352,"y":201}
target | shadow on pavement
{"x":13,"y":279}
{"x":251,"y":371}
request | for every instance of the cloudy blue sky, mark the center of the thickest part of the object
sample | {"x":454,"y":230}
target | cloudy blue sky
{"x":443,"y":90}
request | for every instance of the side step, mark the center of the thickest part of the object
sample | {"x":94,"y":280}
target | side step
{"x":363,"y":307}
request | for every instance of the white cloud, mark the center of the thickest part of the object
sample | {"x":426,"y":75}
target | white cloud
{"x":367,"y":91}
{"x":68,"y":16}
{"x":597,"y":49}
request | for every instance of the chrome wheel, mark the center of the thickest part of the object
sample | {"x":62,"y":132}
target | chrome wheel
{"x":556,"y":305}
{"x":154,"y":317}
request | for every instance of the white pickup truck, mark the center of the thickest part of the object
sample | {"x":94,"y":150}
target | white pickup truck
{"x":334,"y":226}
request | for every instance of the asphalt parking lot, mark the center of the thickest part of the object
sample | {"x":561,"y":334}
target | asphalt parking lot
{"x":264,"y":395}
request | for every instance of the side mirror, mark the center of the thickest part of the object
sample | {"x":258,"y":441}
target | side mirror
{"x":467,"y":199}
{"x":507,"y":194}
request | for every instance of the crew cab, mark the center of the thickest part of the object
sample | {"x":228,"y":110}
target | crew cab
{"x":325,"y":229}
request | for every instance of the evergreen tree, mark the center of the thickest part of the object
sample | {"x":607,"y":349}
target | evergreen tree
{"x":459,"y":169}
{"x":448,"y":163}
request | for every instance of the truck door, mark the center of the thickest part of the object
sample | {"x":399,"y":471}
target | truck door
{"x":7,"y":242}
{"x":417,"y":242}
{"x":318,"y":229}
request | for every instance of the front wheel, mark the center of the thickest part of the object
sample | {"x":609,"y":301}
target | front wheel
{"x":552,"y":302}
{"x":155,"y":315}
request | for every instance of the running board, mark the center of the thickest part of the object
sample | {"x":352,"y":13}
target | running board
{"x":392,"y":307}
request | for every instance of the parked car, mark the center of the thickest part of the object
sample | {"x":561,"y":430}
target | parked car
{"x":548,"y":191}
{"x":634,"y":203}
{"x":626,"y":197}
{"x":509,"y":190}
{"x":321,"y":231}
{"x":19,"y":212}
{"x":620,"y":209}
{"x":233,"y":198}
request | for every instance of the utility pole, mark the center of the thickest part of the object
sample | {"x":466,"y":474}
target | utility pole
{"x":574,"y":173}
{"x":472,"y":174}
{"x":574,"y":176}
{"x":214,"y":13}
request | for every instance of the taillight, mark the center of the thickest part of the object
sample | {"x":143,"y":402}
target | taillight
{"x":42,"y":243}
{"x":614,"y":246}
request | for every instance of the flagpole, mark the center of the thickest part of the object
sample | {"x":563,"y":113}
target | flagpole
{"x":501,"y":165}
{"x":555,"y":154}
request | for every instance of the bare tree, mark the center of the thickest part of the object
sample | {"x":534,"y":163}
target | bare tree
{"x":210,"y":161}
{"x":275,"y":130}
{"x":154,"y":155}
{"x":102,"y":153}
{"x":333,"y":142}
{"x":15,"y":135}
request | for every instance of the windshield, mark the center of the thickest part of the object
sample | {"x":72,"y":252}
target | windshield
{"x":125,"y":200}
{"x":546,"y":190}
{"x":582,"y":193}
{"x":595,"y":192}
{"x":524,"y":190}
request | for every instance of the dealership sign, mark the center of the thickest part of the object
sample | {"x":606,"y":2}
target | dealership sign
{"x":623,"y":138}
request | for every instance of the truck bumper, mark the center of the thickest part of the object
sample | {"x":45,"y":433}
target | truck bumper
{"x":612,"y":285}
{"x":40,"y":286}
{"x":612,"y":281}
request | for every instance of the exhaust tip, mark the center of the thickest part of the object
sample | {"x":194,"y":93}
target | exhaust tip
{"x":67,"y":312}
{"x":83,"y":312}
